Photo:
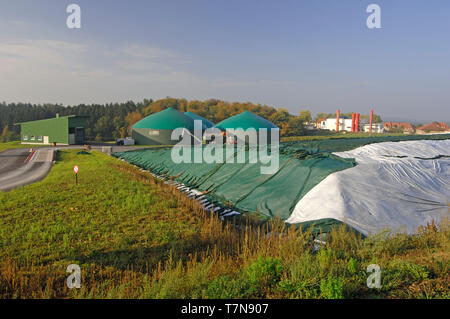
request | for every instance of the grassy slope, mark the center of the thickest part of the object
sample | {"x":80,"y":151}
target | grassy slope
{"x":134,"y":237}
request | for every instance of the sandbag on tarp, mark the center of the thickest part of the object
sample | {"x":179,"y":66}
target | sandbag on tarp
{"x":242,"y":185}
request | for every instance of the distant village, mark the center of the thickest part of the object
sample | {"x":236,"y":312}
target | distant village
{"x":352,"y":124}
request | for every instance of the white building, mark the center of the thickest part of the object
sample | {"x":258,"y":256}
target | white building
{"x":345,"y":124}
{"x":376,"y":128}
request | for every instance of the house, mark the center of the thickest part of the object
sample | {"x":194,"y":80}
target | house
{"x":319,"y":123}
{"x":435,"y":127}
{"x":376,"y":128}
{"x":345,"y":124}
{"x":406,"y":128}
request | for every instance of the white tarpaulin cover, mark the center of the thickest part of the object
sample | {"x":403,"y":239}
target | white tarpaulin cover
{"x":396,"y":185}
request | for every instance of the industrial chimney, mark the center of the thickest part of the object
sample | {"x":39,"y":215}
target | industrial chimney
{"x":337,"y":120}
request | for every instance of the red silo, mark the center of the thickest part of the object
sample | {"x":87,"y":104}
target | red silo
{"x":353,"y":121}
{"x":337,"y":120}
{"x":371,"y":120}
{"x":357,"y":123}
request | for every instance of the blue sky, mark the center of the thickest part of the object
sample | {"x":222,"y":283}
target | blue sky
{"x":314,"y":54}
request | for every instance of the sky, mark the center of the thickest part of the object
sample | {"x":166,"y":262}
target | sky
{"x":312,"y":54}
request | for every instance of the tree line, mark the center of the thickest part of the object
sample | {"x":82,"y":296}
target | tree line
{"x":105,"y":122}
{"x":111,"y":121}
{"x":216,"y":111}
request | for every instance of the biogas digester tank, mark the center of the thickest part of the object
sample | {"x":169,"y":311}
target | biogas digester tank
{"x":156,"y":129}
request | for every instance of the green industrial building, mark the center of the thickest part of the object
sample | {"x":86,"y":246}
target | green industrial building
{"x":157,"y":128}
{"x":61,"y":130}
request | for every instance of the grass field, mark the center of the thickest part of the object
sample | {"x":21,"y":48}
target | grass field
{"x":135,"y":237}
{"x":334,"y":135}
{"x":17,"y":144}
{"x":5,"y":146}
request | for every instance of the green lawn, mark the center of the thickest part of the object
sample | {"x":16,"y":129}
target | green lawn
{"x":338,"y":135}
{"x":135,"y":237}
{"x":16,"y":144}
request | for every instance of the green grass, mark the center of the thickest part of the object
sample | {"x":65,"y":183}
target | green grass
{"x":16,"y":144}
{"x":338,"y":135}
{"x":135,"y":237}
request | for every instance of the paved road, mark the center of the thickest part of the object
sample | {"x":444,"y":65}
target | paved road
{"x":12,"y":159}
{"x":19,"y":167}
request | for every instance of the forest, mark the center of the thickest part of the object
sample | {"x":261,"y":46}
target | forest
{"x":108,"y":122}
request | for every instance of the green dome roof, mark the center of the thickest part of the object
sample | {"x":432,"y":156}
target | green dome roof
{"x":205,"y":122}
{"x":168,"y":119}
{"x":245,"y":120}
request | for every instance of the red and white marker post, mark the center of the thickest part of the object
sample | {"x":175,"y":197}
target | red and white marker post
{"x":75,"y":170}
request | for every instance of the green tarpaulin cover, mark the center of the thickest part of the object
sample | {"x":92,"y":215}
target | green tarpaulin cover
{"x":242,"y":187}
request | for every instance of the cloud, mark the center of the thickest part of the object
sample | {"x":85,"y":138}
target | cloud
{"x":40,"y":71}
{"x":72,"y":73}
{"x":24,"y":56}
{"x":145,"y":52}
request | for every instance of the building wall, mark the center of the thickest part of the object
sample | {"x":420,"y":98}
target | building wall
{"x":77,"y":122}
{"x":376,"y":128}
{"x":76,"y":130}
{"x":405,"y":127}
{"x":57,"y":130}
{"x":330,"y":124}
{"x":143,"y":136}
